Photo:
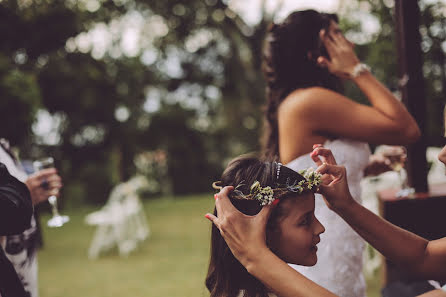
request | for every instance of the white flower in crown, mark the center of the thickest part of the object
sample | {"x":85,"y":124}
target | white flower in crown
{"x":313,"y":178}
{"x":265,"y":196}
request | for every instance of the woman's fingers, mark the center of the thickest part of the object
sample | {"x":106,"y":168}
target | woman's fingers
{"x":328,"y":43}
{"x":325,"y":154}
{"x":45,"y":173}
{"x":324,"y":62}
{"x":342,"y":41}
{"x":322,"y":155}
{"x":327,"y":179}
{"x":342,"y":59}
{"x":338,"y":39}
{"x":265,"y":212}
{"x":316,"y":159}
{"x":213,"y":219}
{"x":222,"y":202}
{"x":347,"y":42}
{"x":331,"y":47}
{"x":225,"y":208}
{"x":314,"y":156}
{"x":334,"y":170}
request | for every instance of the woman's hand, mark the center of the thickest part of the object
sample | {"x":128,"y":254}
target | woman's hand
{"x":342,"y":56}
{"x":334,"y":187}
{"x":245,"y":235}
{"x":43,"y":184}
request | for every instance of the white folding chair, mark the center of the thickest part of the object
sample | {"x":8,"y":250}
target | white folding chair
{"x":121,"y":222}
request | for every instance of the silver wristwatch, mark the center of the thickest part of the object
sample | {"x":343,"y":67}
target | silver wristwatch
{"x":359,"y":69}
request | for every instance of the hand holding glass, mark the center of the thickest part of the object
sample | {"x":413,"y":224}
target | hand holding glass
{"x":57,"y":220}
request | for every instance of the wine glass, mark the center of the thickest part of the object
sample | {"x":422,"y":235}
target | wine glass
{"x":397,"y":156}
{"x":57,"y":220}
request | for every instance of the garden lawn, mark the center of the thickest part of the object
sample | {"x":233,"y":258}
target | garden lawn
{"x":171,"y":263}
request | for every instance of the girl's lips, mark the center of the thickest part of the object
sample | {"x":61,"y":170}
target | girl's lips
{"x":314,"y":247}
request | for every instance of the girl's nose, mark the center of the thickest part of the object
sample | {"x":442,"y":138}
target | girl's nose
{"x":319,"y":227}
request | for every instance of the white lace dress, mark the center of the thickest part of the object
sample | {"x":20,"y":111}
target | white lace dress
{"x":340,"y":252}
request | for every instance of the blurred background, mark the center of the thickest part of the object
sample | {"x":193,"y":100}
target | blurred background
{"x":170,"y":90}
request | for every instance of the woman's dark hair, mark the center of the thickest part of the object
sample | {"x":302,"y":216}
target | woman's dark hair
{"x":226,"y":276}
{"x":290,"y":55}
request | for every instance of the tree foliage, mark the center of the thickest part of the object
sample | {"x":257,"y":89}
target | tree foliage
{"x":192,"y":87}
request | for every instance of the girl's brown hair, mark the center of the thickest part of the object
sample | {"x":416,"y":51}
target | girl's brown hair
{"x":226,"y":276}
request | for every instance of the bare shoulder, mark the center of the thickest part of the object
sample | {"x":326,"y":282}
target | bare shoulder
{"x":439,"y":246}
{"x":309,"y":99}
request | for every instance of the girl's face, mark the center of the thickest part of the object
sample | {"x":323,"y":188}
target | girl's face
{"x":298,"y":231}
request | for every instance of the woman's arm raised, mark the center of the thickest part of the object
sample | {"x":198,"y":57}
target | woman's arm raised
{"x":426,"y":259}
{"x":324,"y":111}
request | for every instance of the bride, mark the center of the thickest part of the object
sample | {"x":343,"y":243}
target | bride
{"x":305,"y":60}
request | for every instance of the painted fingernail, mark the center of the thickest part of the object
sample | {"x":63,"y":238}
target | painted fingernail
{"x":275,"y":202}
{"x":206,"y":216}
{"x":316,"y":145}
{"x":216,"y":196}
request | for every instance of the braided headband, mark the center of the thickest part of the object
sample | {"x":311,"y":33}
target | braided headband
{"x":266,"y":195}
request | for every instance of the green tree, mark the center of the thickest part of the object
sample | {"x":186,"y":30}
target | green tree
{"x":193,"y":87}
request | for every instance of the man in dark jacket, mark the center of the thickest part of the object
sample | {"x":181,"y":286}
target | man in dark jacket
{"x":15,"y":216}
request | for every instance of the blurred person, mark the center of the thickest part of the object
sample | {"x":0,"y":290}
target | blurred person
{"x":21,"y":249}
{"x":292,"y":231}
{"x":15,"y":216}
{"x":305,"y":60}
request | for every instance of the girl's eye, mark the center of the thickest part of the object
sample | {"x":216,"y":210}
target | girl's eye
{"x":305,"y":222}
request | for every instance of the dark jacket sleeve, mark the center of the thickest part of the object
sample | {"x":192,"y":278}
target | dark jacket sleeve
{"x":15,"y":204}
{"x":10,"y":284}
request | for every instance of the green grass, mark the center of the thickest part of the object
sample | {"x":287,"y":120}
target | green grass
{"x":171,"y":263}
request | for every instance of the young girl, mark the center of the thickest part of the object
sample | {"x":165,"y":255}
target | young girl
{"x":292,"y":231}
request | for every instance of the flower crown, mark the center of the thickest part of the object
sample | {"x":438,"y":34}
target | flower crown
{"x":266,"y":195}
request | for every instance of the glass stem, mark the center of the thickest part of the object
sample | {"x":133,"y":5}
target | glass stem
{"x":53,"y":201}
